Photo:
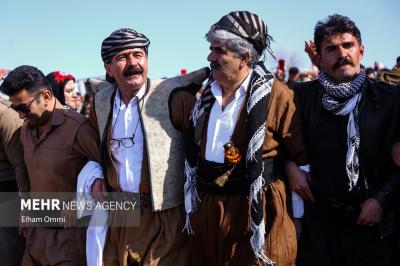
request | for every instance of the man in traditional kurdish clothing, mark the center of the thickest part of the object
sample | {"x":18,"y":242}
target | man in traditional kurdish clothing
{"x":57,"y":143}
{"x":238,"y":131}
{"x":141,"y":153}
{"x":12,"y":245}
{"x":350,"y":126}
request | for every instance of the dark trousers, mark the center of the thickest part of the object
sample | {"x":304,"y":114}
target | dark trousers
{"x":331,"y":239}
{"x":12,"y":245}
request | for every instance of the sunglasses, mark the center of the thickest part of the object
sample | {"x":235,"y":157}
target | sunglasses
{"x":25,"y":107}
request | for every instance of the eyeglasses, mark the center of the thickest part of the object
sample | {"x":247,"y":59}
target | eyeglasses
{"x":125,"y":142}
{"x":25,"y":107}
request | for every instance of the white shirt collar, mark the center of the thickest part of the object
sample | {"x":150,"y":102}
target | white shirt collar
{"x":217,"y":90}
{"x":139,"y":95}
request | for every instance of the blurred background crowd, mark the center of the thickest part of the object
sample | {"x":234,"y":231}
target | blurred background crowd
{"x":78,"y":93}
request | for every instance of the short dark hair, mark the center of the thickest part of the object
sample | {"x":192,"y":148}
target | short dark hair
{"x":369,"y":70}
{"x":293,"y":71}
{"x":334,"y":24}
{"x":24,"y":77}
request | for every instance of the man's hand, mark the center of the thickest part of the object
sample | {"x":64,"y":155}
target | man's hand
{"x":371,"y":212}
{"x":3,"y":73}
{"x":298,"y":181}
{"x":99,"y":190}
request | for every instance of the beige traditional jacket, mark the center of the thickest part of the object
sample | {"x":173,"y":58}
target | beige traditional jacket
{"x":163,"y":164}
{"x":11,"y":156}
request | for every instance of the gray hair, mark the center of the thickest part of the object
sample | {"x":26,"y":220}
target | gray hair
{"x":235,"y":44}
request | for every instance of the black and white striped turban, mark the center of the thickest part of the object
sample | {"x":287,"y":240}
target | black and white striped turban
{"x":120,"y":40}
{"x":246,"y":25}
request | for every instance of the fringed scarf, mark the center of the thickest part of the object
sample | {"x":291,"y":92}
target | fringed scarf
{"x":259,"y":90}
{"x":343,"y":99}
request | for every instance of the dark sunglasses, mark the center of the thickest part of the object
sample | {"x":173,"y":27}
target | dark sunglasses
{"x":25,"y":107}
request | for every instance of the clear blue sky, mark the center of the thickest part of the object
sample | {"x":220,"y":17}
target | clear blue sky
{"x":66,"y":35}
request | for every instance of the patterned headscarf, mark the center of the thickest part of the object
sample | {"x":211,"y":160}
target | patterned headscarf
{"x":120,"y":40}
{"x":57,"y":80}
{"x":248,"y":26}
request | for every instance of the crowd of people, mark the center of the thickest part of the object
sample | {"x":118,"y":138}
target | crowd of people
{"x":233,"y":164}
{"x":64,"y":88}
{"x":377,"y":72}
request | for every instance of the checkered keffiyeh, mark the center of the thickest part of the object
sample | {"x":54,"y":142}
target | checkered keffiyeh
{"x":344,"y":99}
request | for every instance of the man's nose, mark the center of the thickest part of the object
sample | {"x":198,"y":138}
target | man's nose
{"x":211,"y":56}
{"x":342,"y":51}
{"x":131,"y":60}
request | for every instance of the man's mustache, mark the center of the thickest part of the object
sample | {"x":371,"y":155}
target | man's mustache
{"x":343,"y":61}
{"x":214,"y":65}
{"x":132,"y":71}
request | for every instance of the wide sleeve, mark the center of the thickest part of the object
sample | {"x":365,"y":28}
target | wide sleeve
{"x":15,"y":155}
{"x":285,"y":121}
{"x":87,"y":142}
{"x":10,"y":128}
{"x":9,"y":123}
{"x":180,"y":104}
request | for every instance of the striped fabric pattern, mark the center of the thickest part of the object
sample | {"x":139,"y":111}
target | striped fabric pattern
{"x":246,"y":25}
{"x":120,"y":40}
{"x":254,"y":21}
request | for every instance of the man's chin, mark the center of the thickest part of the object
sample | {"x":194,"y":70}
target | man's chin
{"x":215,"y":74}
{"x":350,"y":75}
{"x":135,"y":83}
{"x":344,"y":75}
{"x":135,"y":79}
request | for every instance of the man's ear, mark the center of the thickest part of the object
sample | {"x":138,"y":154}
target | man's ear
{"x":47,"y":97}
{"x":245,"y":59}
{"x":107,"y":67}
{"x":317,"y":60}
{"x":362,"y":50}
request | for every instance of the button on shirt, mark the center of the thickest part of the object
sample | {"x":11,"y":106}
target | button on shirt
{"x":126,"y":124}
{"x":222,"y":122}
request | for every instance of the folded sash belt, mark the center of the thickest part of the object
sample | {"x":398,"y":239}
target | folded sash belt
{"x":237,"y":184}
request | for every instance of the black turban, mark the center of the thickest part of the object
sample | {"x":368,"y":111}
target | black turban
{"x":246,"y":25}
{"x":120,"y":40}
